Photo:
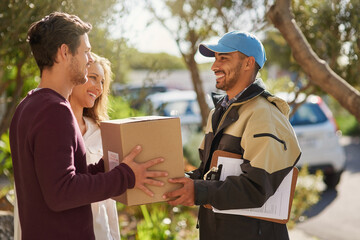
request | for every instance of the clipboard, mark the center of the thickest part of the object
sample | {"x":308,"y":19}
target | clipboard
{"x":214,"y":163}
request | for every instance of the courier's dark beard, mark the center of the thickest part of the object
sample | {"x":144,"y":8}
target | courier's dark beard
{"x":229,"y":82}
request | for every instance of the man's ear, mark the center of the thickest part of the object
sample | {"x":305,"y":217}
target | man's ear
{"x":250,"y":63}
{"x":63,"y":52}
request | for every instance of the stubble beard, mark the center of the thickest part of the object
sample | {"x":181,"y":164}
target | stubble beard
{"x":77,"y":77}
{"x":229,"y":83}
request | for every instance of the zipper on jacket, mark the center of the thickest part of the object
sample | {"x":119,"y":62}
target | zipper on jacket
{"x":272,"y":136}
{"x":259,"y":230}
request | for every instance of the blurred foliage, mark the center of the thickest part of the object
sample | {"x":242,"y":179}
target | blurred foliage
{"x":5,"y":157}
{"x":333,"y":30}
{"x":116,"y":50}
{"x":154,"y":61}
{"x":280,"y":84}
{"x":13,"y":30}
{"x":307,"y":193}
{"x":348,"y":125}
{"x":18,"y":70}
{"x":120,"y":108}
{"x":158,"y":221}
{"x":6,"y":168}
{"x":346,"y":122}
{"x":154,"y":226}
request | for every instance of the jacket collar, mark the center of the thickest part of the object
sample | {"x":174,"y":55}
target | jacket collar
{"x":220,"y":121}
{"x":255,"y":89}
{"x":217,"y":97}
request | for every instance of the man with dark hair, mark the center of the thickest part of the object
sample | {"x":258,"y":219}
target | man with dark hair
{"x":54,"y":185}
{"x":247,"y":121}
{"x":48,"y":34}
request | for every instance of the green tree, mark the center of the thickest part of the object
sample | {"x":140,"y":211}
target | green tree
{"x":319,"y":71}
{"x":116,"y":50}
{"x":331,"y":31}
{"x":154,"y":61}
{"x":18,"y":71}
{"x":332,"y":28}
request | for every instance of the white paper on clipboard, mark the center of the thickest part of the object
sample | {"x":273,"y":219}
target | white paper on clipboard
{"x":276,"y":206}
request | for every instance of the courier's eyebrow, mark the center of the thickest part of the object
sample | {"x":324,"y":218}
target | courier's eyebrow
{"x":220,"y":54}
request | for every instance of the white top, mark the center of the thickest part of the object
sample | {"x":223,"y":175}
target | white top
{"x":105,"y":217}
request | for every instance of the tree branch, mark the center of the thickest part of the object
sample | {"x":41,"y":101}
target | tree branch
{"x":317,"y":69}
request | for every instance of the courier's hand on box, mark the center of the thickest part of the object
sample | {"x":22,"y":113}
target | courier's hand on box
{"x":185,"y":195}
{"x":142,"y":175}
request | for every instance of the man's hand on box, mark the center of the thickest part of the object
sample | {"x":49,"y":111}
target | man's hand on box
{"x":142,"y":175}
{"x":185,"y":195}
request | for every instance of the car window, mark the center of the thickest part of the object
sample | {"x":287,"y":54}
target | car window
{"x":175,"y":108}
{"x":180,"y":108}
{"x":195,"y":108}
{"x":308,"y":113}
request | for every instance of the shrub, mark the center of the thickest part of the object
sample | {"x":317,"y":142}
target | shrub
{"x":158,"y":221}
{"x":6,"y":169}
{"x":348,"y":125}
{"x":307,"y":193}
{"x":120,"y":108}
{"x":5,"y":156}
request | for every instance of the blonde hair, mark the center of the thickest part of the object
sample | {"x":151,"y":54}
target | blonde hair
{"x":99,"y":111}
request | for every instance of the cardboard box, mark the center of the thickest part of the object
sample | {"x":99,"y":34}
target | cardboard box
{"x":158,"y":137}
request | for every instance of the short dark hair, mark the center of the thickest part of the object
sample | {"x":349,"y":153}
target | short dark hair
{"x":48,"y":34}
{"x":257,"y":66}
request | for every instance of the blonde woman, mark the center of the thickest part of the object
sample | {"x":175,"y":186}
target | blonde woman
{"x":89,"y":104}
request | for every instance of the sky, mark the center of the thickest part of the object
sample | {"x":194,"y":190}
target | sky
{"x":151,"y":38}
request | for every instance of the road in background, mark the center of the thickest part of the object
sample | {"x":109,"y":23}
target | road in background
{"x":337,"y":215}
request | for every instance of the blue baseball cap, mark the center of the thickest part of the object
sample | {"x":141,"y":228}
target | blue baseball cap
{"x":243,"y":42}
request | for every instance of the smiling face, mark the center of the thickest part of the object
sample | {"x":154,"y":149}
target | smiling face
{"x":227,"y":68}
{"x":85,"y":95}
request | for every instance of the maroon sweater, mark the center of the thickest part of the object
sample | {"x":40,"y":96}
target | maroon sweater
{"x":54,"y":185}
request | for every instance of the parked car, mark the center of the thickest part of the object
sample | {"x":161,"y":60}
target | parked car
{"x":136,"y":94}
{"x":182,"y":104}
{"x":318,"y":136}
{"x":178,"y":103}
